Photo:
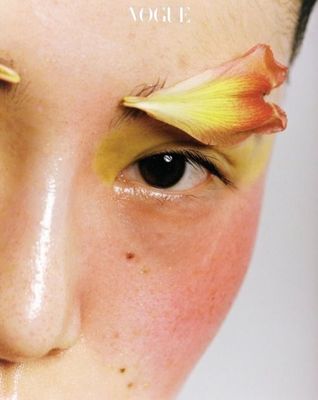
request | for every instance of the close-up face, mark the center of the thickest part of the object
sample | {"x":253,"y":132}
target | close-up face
{"x":123,"y":239}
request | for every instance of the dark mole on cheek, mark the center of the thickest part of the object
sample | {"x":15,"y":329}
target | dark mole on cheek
{"x":130,"y":385}
{"x":122,"y":370}
{"x":130,"y":255}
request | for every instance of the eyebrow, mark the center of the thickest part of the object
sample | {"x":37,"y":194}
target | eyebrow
{"x":14,"y":93}
{"x":128,"y":113}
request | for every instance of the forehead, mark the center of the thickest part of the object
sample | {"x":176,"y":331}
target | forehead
{"x":97,"y":46}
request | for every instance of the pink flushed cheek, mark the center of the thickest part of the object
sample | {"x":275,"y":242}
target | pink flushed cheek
{"x":159,"y":281}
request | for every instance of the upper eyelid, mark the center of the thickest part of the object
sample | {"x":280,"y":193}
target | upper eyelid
{"x":168,"y":146}
{"x":185,"y":148}
{"x":179,"y":140}
{"x":179,"y":145}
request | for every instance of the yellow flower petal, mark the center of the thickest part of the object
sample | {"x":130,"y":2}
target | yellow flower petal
{"x":9,"y":75}
{"x":223,"y":105}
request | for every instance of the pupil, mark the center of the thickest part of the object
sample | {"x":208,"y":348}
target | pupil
{"x":162,"y":170}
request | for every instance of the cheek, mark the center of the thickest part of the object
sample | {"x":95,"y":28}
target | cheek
{"x":158,"y":279}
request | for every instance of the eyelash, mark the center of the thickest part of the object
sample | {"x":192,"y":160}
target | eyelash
{"x":196,"y":158}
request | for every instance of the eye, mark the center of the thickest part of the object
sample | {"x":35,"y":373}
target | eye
{"x":175,"y":170}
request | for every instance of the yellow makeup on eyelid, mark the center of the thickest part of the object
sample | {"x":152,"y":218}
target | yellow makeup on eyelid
{"x":222,"y":108}
{"x":249,"y":158}
{"x":124,"y":144}
{"x":242,"y":163}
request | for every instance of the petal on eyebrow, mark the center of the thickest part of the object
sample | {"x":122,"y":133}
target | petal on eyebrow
{"x":9,"y":75}
{"x":222,"y":105}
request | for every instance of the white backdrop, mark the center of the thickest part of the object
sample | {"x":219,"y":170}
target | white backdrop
{"x":267,"y":349}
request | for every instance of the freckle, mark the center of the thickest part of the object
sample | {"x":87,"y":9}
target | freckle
{"x":130,"y":385}
{"x":122,"y":370}
{"x":130,"y":255}
{"x":182,"y":63}
{"x":137,"y":332}
{"x":116,"y":335}
{"x":144,"y":270}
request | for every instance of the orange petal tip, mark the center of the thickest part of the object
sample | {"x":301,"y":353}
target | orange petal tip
{"x":222,"y":105}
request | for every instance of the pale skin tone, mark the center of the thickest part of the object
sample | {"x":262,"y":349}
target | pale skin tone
{"x":107,"y":293}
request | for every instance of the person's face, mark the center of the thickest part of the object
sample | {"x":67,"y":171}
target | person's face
{"x":112,"y":291}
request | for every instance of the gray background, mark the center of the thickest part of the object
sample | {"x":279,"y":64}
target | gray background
{"x":267,"y":349}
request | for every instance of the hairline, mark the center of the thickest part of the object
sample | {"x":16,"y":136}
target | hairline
{"x":303,"y":18}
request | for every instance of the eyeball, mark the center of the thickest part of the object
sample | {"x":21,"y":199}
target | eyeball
{"x":167,"y":171}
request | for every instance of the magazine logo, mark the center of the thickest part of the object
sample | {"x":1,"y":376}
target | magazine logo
{"x":160,"y":14}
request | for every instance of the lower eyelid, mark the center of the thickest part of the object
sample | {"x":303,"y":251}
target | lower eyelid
{"x":132,"y":188}
{"x":138,"y":191}
{"x":142,"y":193}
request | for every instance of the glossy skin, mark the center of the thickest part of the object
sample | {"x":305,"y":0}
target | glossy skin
{"x":131,"y":284}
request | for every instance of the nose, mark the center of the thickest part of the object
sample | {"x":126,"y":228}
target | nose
{"x":39,"y":311}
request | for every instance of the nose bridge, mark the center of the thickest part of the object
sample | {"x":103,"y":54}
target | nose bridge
{"x":36,"y":292}
{"x":47,"y":259}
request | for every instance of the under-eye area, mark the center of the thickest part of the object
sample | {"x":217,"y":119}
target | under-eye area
{"x":145,"y":159}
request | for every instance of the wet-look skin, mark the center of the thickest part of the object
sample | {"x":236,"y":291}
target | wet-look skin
{"x":114,"y":291}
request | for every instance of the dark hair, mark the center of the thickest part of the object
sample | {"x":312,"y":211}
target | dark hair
{"x":305,"y":11}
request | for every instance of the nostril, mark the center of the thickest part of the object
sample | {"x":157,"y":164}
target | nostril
{"x":6,"y":365}
{"x":57,"y":326}
{"x":9,"y":360}
{"x":21,"y":341}
{"x":55,"y":352}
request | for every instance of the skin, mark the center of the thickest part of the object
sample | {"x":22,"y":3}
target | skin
{"x":110,"y":289}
